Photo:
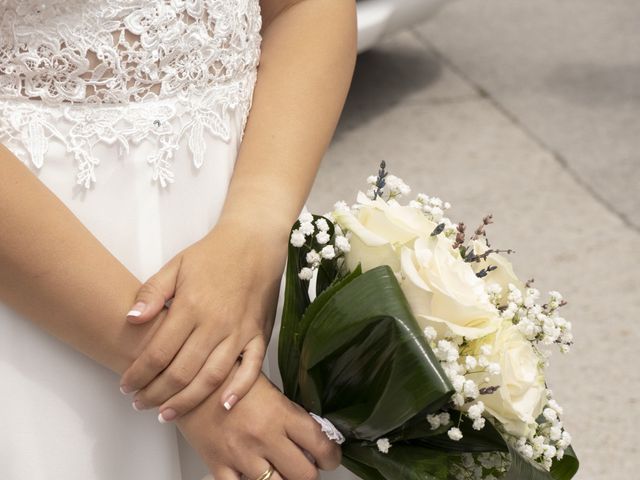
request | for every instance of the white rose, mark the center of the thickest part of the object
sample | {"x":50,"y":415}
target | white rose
{"x":378,"y":231}
{"x":444,"y":291}
{"x":503,"y":275}
{"x":522,"y":393}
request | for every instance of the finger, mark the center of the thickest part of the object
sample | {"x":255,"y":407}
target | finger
{"x":225,"y":473}
{"x":154,"y":293}
{"x":255,"y":467}
{"x":308,"y":435}
{"x":158,"y":353}
{"x":247,"y":374}
{"x":211,"y":376}
{"x":180,"y":372}
{"x":290,"y":462}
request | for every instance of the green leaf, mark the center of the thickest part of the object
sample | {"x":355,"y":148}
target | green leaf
{"x":404,"y":462}
{"x":365,"y":363}
{"x":567,"y":467}
{"x":296,"y":301}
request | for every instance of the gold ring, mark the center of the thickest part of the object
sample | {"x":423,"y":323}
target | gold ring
{"x":267,"y":474}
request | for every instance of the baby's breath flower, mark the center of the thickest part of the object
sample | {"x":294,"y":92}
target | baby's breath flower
{"x":305,"y":274}
{"x":341,"y":206}
{"x":447,"y":351}
{"x":471,"y":389}
{"x":434,"y":421}
{"x":383,"y":445}
{"x":555,"y":433}
{"x":297,"y":238}
{"x":305,"y":217}
{"x":313,"y":258}
{"x":430,"y":333}
{"x":470,"y":362}
{"x":550,"y":414}
{"x":444,"y":418}
{"x":328,"y":252}
{"x":475,"y":411}
{"x":371,"y":193}
{"x":395,"y":187}
{"x":479,"y":423}
{"x":458,"y":383}
{"x":553,"y":404}
{"x":322,"y":237}
{"x":455,"y":434}
{"x":322,"y":225}
{"x":342,"y":244}
{"x":438,"y":420}
{"x":458,"y":399}
{"x":307,"y":228}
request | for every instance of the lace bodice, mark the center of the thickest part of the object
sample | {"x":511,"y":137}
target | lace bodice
{"x":116,"y":51}
{"x":82,"y":59}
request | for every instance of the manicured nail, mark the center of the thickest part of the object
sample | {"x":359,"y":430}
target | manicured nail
{"x":137,"y":405}
{"x":230,"y":401}
{"x":137,"y":309}
{"x":125,"y":390}
{"x":167,"y":415}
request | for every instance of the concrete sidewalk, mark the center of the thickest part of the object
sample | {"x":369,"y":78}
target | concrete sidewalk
{"x":527,"y":110}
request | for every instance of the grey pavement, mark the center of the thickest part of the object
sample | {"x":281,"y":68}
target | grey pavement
{"x":528,"y":110}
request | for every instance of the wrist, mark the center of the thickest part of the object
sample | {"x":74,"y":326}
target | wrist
{"x":261,"y":228}
{"x":253,"y":242}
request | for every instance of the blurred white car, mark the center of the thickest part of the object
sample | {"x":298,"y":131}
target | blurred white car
{"x":378,"y":18}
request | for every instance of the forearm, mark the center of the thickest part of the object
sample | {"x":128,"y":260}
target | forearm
{"x":55,"y":272}
{"x":308,"y":55}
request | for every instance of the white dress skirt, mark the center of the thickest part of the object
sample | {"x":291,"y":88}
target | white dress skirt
{"x":63,"y":416}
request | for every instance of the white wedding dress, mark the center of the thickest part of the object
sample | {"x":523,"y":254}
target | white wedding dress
{"x":132,"y":113}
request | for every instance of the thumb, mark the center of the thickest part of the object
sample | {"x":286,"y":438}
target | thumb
{"x":154,"y":294}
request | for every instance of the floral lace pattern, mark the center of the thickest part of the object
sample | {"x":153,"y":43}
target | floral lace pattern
{"x":107,"y":65}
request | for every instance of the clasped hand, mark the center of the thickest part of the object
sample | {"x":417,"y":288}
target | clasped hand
{"x":223,"y":291}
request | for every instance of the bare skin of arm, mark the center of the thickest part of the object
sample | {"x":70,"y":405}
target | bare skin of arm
{"x":56,"y":273}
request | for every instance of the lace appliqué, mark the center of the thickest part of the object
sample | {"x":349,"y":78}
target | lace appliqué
{"x":124,"y":71}
{"x":28,"y":127}
{"x":120,"y":51}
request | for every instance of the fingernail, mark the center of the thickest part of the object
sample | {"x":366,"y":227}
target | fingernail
{"x":125,"y":390}
{"x":137,"y":309}
{"x":137,"y":405}
{"x":167,"y":415}
{"x":230,"y":401}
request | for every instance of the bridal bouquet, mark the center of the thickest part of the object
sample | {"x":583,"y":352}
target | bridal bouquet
{"x":417,"y":347}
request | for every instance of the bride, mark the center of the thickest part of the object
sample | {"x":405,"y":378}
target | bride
{"x":136,"y":149}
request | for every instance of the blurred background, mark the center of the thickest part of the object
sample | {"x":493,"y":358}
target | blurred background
{"x":530,"y":110}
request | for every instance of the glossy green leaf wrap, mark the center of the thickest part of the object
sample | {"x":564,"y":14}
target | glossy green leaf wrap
{"x":357,"y":356}
{"x":365,"y":364}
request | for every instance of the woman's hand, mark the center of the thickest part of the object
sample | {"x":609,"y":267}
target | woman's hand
{"x":264,"y":429}
{"x":224,"y":292}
